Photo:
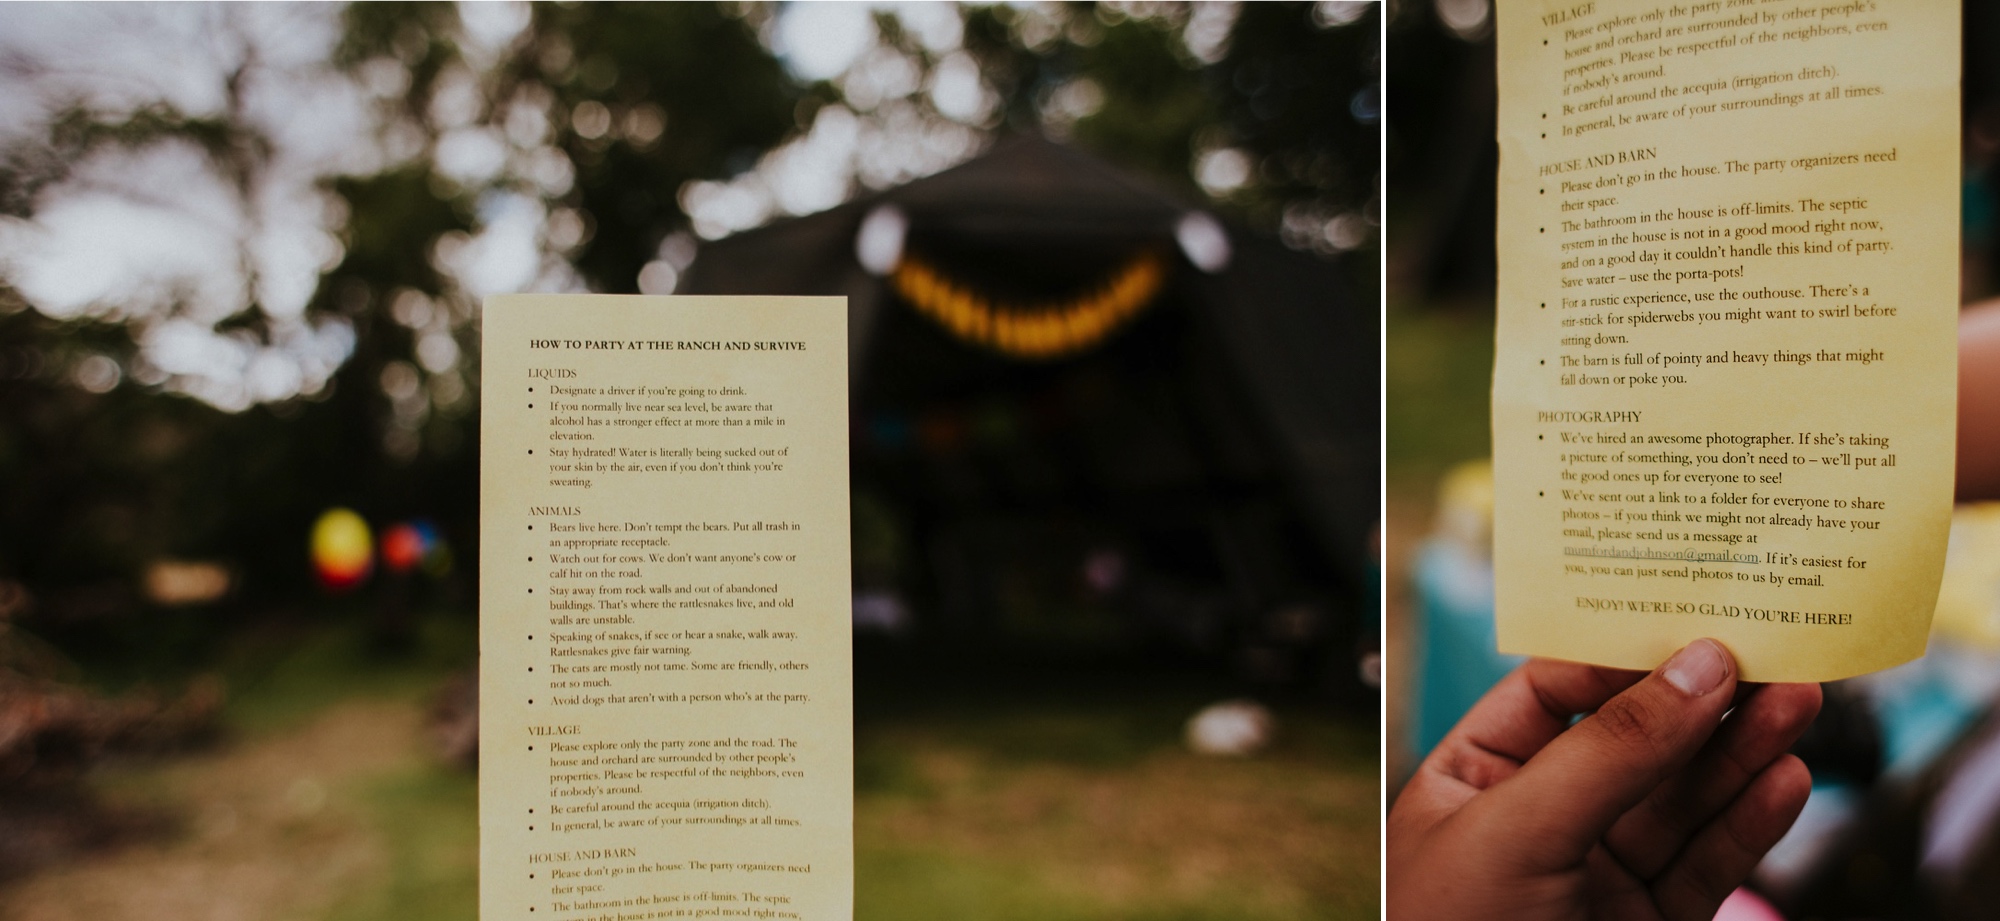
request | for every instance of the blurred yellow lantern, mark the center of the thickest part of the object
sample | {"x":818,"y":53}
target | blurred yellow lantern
{"x":343,"y":550}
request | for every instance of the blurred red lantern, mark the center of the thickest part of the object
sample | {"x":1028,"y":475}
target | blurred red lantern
{"x":402,"y":548}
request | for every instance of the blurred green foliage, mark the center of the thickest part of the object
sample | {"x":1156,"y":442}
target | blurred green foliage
{"x":279,"y":676}
{"x":1440,"y":380}
{"x":722,"y":98}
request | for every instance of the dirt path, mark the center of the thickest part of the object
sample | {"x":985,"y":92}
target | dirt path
{"x":269,"y":829}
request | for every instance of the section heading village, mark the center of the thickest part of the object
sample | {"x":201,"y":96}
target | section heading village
{"x":667,"y":345}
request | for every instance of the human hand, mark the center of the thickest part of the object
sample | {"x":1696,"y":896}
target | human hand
{"x":1652,"y":807}
{"x":1979,"y":402}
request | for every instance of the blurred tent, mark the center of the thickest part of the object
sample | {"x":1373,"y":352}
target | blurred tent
{"x":1082,"y":404}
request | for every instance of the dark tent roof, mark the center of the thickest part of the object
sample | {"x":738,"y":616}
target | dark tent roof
{"x":1301,"y":346}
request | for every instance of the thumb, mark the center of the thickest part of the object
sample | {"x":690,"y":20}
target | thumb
{"x":1567,"y":796}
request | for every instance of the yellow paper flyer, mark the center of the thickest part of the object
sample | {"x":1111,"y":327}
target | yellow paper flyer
{"x":665,"y":645}
{"x":1724,"y":385}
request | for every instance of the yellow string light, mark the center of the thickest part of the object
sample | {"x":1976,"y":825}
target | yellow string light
{"x":1051,"y":330}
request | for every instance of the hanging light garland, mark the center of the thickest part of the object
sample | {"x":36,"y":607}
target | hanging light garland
{"x":1051,"y":330}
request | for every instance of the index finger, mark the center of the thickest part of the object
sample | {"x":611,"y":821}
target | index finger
{"x":1580,"y":783}
{"x":1521,"y":715}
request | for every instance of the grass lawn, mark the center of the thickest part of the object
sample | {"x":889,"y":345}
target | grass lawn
{"x":986,"y":800}
{"x":1440,"y":378}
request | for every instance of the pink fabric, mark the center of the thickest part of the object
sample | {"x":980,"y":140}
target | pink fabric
{"x":1744,"y":905}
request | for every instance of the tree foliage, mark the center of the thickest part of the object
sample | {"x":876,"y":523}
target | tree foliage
{"x":574,"y":146}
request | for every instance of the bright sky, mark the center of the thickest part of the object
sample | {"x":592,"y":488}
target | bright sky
{"x":157,"y":236}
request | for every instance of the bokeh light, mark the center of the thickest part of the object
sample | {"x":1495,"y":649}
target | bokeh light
{"x":343,"y":553}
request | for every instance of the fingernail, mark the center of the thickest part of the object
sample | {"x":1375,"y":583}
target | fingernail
{"x":1697,"y":668}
